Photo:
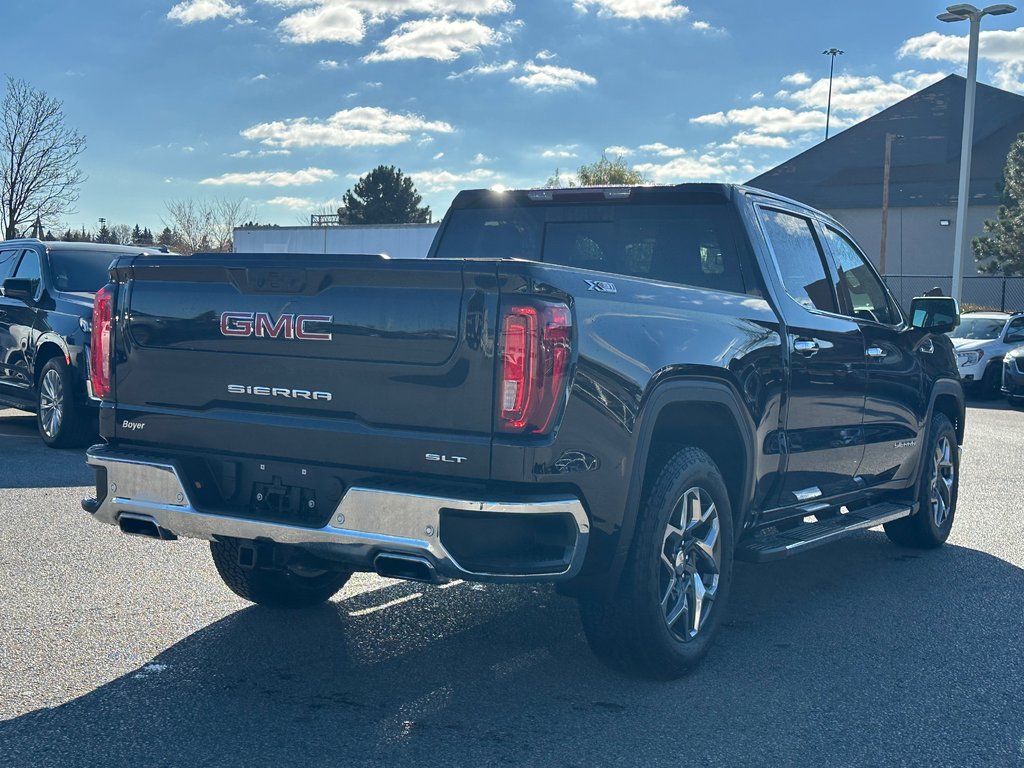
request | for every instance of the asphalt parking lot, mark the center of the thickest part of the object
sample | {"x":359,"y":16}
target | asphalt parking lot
{"x":117,"y":651}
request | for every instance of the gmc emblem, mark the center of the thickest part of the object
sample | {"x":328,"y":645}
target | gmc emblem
{"x":262,"y":325}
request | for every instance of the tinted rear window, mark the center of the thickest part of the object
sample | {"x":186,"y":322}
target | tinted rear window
{"x":686,"y":244}
{"x":80,"y":271}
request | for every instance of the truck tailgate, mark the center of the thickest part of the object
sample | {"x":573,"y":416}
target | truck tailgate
{"x":360,"y":361}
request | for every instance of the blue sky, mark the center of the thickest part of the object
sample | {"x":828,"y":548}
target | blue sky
{"x":285,"y":103}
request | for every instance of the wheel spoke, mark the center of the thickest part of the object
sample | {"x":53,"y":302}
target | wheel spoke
{"x":697,"y":594}
{"x":679,"y":606}
{"x":705,"y":547}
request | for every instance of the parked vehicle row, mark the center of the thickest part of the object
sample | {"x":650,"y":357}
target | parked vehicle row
{"x":981,"y":342}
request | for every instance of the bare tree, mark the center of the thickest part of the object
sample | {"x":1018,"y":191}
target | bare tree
{"x":39,"y":173}
{"x":205,"y":225}
{"x":121,"y":234}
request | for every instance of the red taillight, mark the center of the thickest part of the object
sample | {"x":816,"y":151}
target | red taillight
{"x":535,"y":356}
{"x":100,"y":346}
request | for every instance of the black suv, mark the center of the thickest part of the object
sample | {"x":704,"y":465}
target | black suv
{"x":45,"y":315}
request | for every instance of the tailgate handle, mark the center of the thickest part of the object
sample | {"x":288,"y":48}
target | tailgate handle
{"x":276,"y":280}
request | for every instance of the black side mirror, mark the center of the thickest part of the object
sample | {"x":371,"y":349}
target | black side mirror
{"x":938,"y":314}
{"x":23,"y":288}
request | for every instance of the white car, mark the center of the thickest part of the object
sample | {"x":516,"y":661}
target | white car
{"x":981,"y":341}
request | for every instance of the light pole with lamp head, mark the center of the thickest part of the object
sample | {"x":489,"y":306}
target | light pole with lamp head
{"x":965,"y":12}
{"x":833,"y":52}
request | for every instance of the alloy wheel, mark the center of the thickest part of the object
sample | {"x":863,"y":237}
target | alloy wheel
{"x":691,"y":559}
{"x":51,"y":402}
{"x":943,"y":475}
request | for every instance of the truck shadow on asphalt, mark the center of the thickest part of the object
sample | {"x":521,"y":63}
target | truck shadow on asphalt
{"x":857,"y":654}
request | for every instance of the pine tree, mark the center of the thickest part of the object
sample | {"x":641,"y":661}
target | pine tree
{"x":383,"y":196}
{"x":166,"y":237}
{"x":1001,"y":251}
{"x":104,"y":236}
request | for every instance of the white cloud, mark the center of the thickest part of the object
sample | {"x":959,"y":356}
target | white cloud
{"x":760,"y":140}
{"x":486,"y":69}
{"x":261,"y":153}
{"x":356,"y":127}
{"x":757,"y":96}
{"x":765,"y":119}
{"x":378,"y":9}
{"x":438,"y":156}
{"x":329,"y":64}
{"x":272,"y":178}
{"x":545,"y":77}
{"x":857,"y":98}
{"x":545,"y":55}
{"x":797,"y":78}
{"x":441,"y":181}
{"x":260,"y":76}
{"x":481,"y":158}
{"x":295,"y":203}
{"x":1002,"y":49}
{"x":662,"y":150}
{"x":707,"y":29}
{"x":438,"y":39}
{"x":618,"y":151}
{"x":329,"y":23}
{"x":687,"y":168}
{"x":662,"y":10}
{"x":560,"y":151}
{"x":191,"y":11}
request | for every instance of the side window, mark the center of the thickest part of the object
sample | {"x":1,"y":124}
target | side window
{"x":7,"y":261}
{"x":800,"y":259}
{"x":1015,"y":327}
{"x":864,"y":296}
{"x":29,"y":266}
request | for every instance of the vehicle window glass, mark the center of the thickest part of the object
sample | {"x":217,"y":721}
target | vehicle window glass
{"x":1015,"y":326}
{"x":83,"y":271}
{"x":688,"y":244}
{"x":977,"y":328}
{"x":866,"y":298}
{"x":800,"y":260}
{"x":7,"y":261}
{"x":29,"y":266}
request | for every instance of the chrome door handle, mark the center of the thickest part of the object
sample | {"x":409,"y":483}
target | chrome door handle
{"x":805,"y":347}
{"x":875,"y":352}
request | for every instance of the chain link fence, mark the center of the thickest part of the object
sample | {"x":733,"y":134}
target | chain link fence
{"x":1002,"y":293}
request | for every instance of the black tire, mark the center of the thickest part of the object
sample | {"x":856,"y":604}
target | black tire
{"x":671,"y":560}
{"x":937,"y":491}
{"x":1015,"y":402}
{"x":991,"y":380}
{"x":62,"y":420}
{"x":275,"y":588}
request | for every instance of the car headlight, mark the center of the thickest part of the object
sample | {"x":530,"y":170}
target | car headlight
{"x":968,"y":358}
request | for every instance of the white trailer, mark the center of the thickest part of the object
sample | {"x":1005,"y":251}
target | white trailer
{"x":399,"y":241}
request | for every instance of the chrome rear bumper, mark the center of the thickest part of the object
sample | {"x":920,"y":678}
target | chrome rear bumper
{"x":367,"y":522}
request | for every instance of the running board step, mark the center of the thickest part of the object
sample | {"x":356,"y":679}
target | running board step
{"x":776,"y":546}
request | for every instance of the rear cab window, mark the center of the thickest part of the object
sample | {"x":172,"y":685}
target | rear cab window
{"x":686,"y":244}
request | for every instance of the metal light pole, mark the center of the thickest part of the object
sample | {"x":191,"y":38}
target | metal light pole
{"x":965,"y":12}
{"x":833,"y":52}
{"x":885,"y":197}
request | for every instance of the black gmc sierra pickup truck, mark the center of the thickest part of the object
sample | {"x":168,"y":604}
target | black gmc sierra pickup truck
{"x":619,"y":389}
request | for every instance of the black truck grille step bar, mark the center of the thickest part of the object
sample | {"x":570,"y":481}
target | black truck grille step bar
{"x":776,"y":546}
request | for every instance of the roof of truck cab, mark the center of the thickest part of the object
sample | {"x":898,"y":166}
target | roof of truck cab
{"x":693,"y":193}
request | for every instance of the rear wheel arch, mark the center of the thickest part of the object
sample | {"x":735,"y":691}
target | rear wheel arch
{"x":45,"y":353}
{"x":701,"y":413}
{"x":948,"y":398}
